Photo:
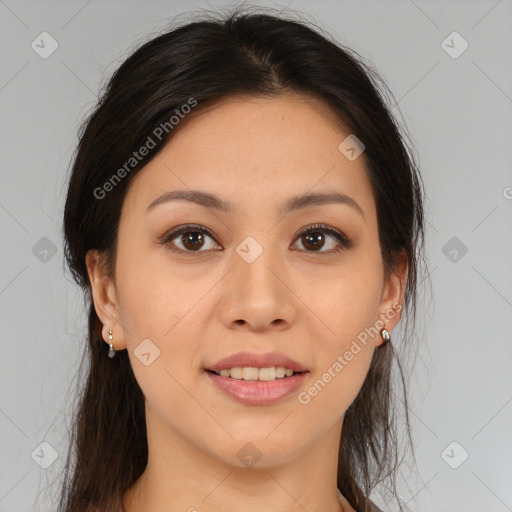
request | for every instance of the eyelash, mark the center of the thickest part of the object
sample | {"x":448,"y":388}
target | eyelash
{"x":344,"y":241}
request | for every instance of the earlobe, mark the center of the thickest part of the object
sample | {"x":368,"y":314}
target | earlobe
{"x":103,"y":295}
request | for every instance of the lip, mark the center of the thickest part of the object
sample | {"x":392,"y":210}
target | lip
{"x":253,"y":360}
{"x":257,"y":392}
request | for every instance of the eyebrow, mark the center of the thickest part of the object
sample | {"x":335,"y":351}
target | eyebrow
{"x":295,"y":203}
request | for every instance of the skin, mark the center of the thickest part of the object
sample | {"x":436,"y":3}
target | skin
{"x":202,"y":306}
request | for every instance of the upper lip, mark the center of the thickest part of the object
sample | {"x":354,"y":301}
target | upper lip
{"x":248,"y":359}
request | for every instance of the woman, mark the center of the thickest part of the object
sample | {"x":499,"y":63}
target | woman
{"x":247,"y":223}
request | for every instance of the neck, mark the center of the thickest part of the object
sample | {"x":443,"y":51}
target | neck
{"x":181,"y":476}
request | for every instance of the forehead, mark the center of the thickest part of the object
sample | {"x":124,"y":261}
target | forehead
{"x":256,"y":150}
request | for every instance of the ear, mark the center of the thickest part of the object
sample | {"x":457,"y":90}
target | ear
{"x":104,"y":297}
{"x":392,"y":298}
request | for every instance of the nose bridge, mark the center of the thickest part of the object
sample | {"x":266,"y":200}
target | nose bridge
{"x":255,"y":256}
{"x":256,"y":294}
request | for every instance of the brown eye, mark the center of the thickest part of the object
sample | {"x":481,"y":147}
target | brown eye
{"x":189,"y":239}
{"x":192,"y":240}
{"x":314,"y":239}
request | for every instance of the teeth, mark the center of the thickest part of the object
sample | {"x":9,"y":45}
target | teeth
{"x":249,"y":373}
{"x":267,"y":374}
{"x":235,"y":373}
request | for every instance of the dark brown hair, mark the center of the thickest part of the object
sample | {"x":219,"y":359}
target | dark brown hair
{"x":249,"y":54}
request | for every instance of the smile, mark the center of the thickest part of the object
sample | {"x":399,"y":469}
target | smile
{"x":243,"y":388}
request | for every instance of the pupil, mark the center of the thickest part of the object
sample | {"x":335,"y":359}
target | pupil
{"x":314,"y":239}
{"x":194,"y":238}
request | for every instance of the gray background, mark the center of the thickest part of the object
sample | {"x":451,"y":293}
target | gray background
{"x":458,"y":113}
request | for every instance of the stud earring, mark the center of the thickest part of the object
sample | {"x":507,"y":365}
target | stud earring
{"x":111,"y":351}
{"x":385,"y":336}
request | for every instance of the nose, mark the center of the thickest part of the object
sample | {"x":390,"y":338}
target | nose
{"x":257,"y":296}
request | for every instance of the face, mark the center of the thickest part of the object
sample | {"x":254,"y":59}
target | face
{"x":255,"y":277}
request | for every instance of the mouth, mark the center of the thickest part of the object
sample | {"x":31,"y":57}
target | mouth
{"x":257,"y":378}
{"x":241,"y":387}
{"x":255,"y":374}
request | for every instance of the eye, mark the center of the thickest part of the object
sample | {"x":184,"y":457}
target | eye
{"x":192,"y":238}
{"x":314,"y":238}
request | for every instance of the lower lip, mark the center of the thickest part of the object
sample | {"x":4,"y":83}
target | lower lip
{"x":258,"y":392}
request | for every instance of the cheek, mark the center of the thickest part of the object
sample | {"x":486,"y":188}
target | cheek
{"x":161,"y":301}
{"x":350,"y":307}
{"x":332,"y":391}
{"x":349,"y":301}
{"x":154,"y":294}
{"x":155,"y":309}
